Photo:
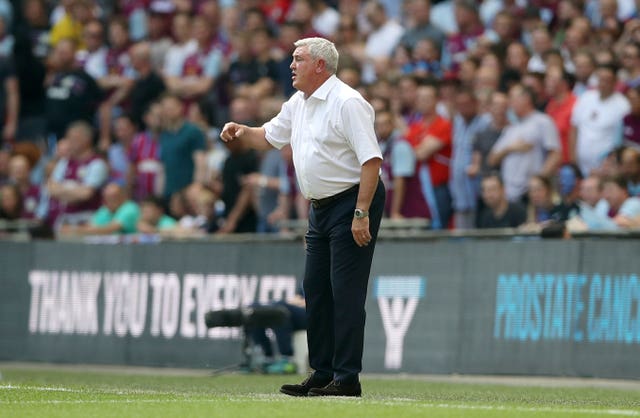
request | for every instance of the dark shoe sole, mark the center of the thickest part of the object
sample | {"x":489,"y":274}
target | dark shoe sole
{"x":338,"y":395}
{"x":292,"y":393}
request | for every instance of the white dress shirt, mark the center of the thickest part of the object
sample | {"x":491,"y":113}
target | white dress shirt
{"x":539,"y":130}
{"x":599,"y":127}
{"x":331,"y":134}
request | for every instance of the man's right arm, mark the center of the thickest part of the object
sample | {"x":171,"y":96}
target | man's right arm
{"x":255,"y":137}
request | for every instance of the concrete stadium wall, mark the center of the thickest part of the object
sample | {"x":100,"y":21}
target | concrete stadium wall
{"x":566,"y":308}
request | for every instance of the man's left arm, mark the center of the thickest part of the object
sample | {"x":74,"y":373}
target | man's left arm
{"x":369,"y":177}
{"x":357,"y":119}
{"x":199,"y":156}
{"x":551,"y":143}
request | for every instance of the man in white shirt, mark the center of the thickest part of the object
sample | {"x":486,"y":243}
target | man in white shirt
{"x":381,"y":41}
{"x":596,"y":121}
{"x":337,"y":160}
{"x":529,"y":146}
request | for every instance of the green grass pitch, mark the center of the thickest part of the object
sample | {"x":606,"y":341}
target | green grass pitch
{"x":28,"y":391}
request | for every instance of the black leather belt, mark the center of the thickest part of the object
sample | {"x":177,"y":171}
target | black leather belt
{"x":320,"y":203}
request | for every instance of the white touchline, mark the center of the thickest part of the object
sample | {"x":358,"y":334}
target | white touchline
{"x":275,"y":397}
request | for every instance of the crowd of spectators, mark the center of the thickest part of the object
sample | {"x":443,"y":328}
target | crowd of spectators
{"x":494,"y":113}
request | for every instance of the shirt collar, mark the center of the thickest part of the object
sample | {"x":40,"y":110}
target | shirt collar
{"x":322,"y":92}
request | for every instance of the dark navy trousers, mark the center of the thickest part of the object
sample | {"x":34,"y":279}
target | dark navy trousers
{"x":335,"y":286}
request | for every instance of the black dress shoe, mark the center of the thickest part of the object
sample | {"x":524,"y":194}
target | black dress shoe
{"x":303,"y":388}
{"x":337,"y":389}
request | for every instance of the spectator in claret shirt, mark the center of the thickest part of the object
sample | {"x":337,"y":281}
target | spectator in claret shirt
{"x":631,"y":122}
{"x":404,"y":198}
{"x":19,"y":174}
{"x":10,"y":202}
{"x":630,"y":169}
{"x":201,"y":69}
{"x":430,"y":137}
{"x":124,"y":130}
{"x":118,"y":79}
{"x":183,"y":46}
{"x":76,"y":181}
{"x":146,"y":173}
{"x":470,"y":29}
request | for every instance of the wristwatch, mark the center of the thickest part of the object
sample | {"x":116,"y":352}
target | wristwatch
{"x":360,"y":214}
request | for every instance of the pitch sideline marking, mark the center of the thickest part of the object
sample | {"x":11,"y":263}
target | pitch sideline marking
{"x":269,"y":398}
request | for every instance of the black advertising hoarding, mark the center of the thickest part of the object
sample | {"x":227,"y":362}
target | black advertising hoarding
{"x":471,"y":306}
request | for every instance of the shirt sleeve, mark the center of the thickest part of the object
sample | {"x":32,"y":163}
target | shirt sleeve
{"x":97,"y":174}
{"x":166,"y":222}
{"x":357,"y":121}
{"x":551,"y":139}
{"x":198,"y":142}
{"x":58,"y":171}
{"x":97,"y":67}
{"x":575,"y":113}
{"x":278,"y":129}
{"x":630,"y":208}
{"x":127,"y":216}
{"x":285,"y":187}
{"x":213,"y":64}
{"x":443,"y":132}
{"x":403,"y":159}
{"x":101,"y":217}
{"x":501,"y":142}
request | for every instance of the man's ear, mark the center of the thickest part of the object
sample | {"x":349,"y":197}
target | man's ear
{"x":320,"y":67}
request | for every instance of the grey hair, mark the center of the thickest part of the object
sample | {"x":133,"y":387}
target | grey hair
{"x":320,"y":48}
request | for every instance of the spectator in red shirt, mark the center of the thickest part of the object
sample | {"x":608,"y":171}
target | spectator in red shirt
{"x":431,"y":138}
{"x":559,"y":87}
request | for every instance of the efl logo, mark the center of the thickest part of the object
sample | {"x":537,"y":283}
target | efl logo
{"x":398,"y":298}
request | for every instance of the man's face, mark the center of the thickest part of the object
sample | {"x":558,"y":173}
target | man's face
{"x":384,"y":125}
{"x":124,"y":130}
{"x":153,"y":117}
{"x":93,"y":36}
{"x":589,"y":191}
{"x":552,"y":80}
{"x":407,"y":90}
{"x":629,"y":165}
{"x":303,"y":68}
{"x":172,"y":109}
{"x":112,"y":197}
{"x":78,"y":142}
{"x":499,"y":105}
{"x":492,"y":192}
{"x":613,"y":194}
{"x":584,"y":67}
{"x":64,"y":54}
{"x":518,"y":101}
{"x":426,"y":100}
{"x":150,"y":213}
{"x":467,"y":105}
{"x":19,"y":169}
{"x":606,"y":82}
